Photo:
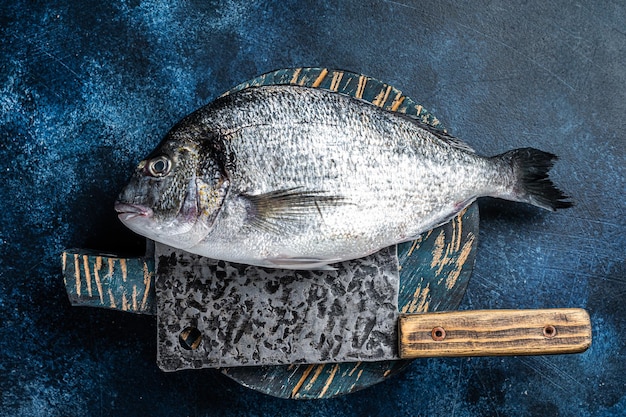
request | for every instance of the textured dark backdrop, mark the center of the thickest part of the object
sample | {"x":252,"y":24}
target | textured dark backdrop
{"x":88,"y":87}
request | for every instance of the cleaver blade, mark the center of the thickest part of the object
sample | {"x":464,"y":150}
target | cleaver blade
{"x":214,"y":314}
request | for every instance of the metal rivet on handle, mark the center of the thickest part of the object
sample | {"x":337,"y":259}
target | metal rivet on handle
{"x":438,"y":334}
{"x":549,"y":331}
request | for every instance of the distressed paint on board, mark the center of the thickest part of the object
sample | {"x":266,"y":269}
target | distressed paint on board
{"x":106,"y":281}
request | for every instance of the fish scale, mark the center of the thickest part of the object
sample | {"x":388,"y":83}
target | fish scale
{"x":379,"y":186}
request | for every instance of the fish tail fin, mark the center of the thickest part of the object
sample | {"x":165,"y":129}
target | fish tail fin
{"x":530,"y":182}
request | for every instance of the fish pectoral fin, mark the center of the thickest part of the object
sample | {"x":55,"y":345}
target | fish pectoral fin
{"x":308,"y":263}
{"x":274,"y":210}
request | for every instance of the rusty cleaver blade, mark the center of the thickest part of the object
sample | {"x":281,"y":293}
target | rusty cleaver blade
{"x":213,"y":314}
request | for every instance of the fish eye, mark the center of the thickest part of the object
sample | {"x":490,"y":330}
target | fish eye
{"x":159,"y":166}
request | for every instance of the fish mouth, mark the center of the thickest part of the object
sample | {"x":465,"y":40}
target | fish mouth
{"x":126,"y":212}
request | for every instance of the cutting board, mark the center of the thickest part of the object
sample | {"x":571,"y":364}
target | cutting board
{"x":434,"y":269}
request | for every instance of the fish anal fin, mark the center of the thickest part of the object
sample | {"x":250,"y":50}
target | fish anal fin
{"x":303,"y":263}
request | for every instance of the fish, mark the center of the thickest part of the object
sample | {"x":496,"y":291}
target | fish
{"x":294,"y":177}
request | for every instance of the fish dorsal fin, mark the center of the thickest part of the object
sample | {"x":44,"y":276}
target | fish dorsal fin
{"x":440,"y":134}
{"x":274,"y":211}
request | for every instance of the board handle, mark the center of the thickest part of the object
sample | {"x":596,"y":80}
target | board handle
{"x":494,"y":333}
{"x":95,"y":279}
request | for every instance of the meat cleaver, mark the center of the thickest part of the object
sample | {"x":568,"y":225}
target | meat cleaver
{"x":213,"y":314}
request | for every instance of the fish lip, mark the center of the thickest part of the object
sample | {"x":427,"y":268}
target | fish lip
{"x":127,"y":211}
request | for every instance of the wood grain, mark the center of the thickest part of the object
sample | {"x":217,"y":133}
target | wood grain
{"x":494,"y":333}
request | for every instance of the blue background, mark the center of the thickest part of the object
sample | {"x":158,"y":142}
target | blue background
{"x":87,"y":88}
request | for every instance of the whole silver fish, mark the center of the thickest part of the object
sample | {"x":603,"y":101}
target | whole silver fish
{"x":295,"y":177}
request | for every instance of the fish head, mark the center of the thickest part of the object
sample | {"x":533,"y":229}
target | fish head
{"x":174,"y":195}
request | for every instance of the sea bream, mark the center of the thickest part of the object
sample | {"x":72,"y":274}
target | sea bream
{"x":295,"y":177}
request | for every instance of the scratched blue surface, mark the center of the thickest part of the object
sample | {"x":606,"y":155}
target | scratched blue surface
{"x":87,"y":88}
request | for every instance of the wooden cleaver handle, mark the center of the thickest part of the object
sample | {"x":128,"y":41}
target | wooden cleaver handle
{"x":494,"y":332}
